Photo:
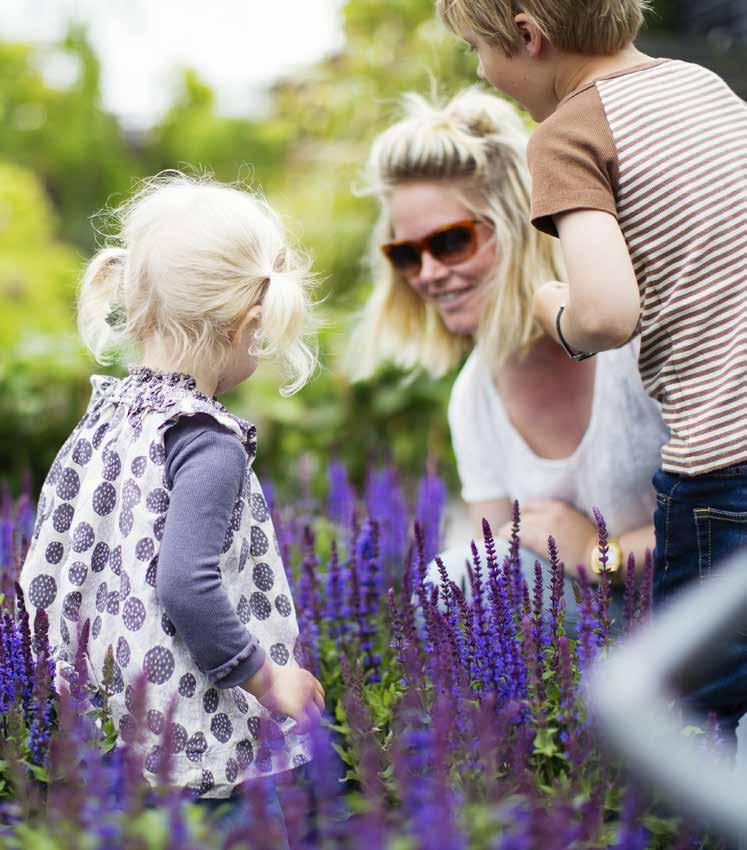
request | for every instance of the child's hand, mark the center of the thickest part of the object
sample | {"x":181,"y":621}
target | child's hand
{"x":548,"y":299}
{"x":288,"y":690}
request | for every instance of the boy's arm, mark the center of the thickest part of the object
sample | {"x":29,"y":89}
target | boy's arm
{"x":602,"y":301}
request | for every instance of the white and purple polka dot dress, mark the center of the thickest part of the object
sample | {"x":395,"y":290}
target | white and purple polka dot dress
{"x":94,"y":555}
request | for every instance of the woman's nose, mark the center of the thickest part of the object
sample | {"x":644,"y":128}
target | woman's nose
{"x":431,"y":270}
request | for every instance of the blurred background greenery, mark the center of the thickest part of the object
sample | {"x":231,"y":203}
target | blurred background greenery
{"x":63,"y":156}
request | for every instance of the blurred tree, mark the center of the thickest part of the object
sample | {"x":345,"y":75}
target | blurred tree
{"x":42,"y":368}
{"x":192,"y":133}
{"x":37,"y":273}
{"x":63,"y":135}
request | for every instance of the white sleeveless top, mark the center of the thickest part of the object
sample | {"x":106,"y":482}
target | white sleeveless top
{"x":611,"y":468}
{"x":94,"y":556}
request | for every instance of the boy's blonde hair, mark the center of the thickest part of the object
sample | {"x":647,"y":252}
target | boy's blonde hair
{"x":191,"y":257}
{"x":476,"y":143}
{"x":592,"y":27}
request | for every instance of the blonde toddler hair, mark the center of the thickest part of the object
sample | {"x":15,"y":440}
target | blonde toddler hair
{"x":477,"y":144}
{"x":592,"y":27}
{"x":191,"y":257}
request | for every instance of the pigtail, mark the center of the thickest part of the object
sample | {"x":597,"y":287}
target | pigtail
{"x":285,"y":326}
{"x":102,"y":317}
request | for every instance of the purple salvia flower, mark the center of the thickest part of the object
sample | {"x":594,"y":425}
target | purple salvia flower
{"x":385,"y":502}
{"x":538,"y":628}
{"x":480,"y":628}
{"x":25,"y":521}
{"x":491,"y":558}
{"x":526,"y":602}
{"x":428,"y":633}
{"x":310,"y":597}
{"x":473,"y":670}
{"x":295,"y":802}
{"x":603,"y":537}
{"x":586,"y":648}
{"x":6,"y":542}
{"x":80,"y":665}
{"x":592,"y":816}
{"x":502,"y":658}
{"x":334,"y":595}
{"x":309,"y":602}
{"x":533,"y":660}
{"x":431,"y":501}
{"x":713,"y":737}
{"x":515,"y":556}
{"x":341,"y":500}
{"x":371,"y":599}
{"x":323,"y":773}
{"x":420,"y":563}
{"x":132,"y":758}
{"x":24,"y":628}
{"x":409,"y":626}
{"x":645,"y":590}
{"x":456,"y":637}
{"x":557,"y":595}
{"x":568,"y":714}
{"x":444,"y":800}
{"x":67,"y":800}
{"x":603,"y":595}
{"x":397,"y":632}
{"x":166,"y":761}
{"x":507,"y":616}
{"x":537,"y":601}
{"x":40,"y":728}
{"x":268,"y":490}
{"x":16,"y":666}
{"x":630,"y":595}
{"x":632,"y":835}
{"x":4,"y":669}
{"x":355,"y":596}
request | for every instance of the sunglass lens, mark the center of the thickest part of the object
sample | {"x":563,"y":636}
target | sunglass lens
{"x":404,"y":258}
{"x":453,"y":245}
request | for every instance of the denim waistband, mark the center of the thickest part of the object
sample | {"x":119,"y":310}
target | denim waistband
{"x":738,"y":470}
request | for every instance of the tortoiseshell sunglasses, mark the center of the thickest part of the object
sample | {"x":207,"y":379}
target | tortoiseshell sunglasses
{"x":451,"y":244}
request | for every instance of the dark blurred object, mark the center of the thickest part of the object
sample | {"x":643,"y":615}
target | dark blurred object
{"x":722,"y":20}
{"x":712,"y":33}
{"x":631,"y":693}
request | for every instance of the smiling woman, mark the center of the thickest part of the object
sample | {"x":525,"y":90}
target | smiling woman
{"x":456,"y":266}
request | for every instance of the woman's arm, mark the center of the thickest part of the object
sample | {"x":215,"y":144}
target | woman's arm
{"x":496,"y":511}
{"x":635,"y":543}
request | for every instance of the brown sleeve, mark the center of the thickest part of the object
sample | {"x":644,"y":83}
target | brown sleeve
{"x":573,"y":161}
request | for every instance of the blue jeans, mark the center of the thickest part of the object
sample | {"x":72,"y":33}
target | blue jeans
{"x":699,"y":521}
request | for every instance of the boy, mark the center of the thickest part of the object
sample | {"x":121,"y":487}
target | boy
{"x":640,"y":167}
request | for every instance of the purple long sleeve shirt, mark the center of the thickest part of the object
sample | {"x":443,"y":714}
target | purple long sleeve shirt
{"x":205,"y":468}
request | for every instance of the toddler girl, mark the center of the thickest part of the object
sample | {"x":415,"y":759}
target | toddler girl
{"x":151,"y":523}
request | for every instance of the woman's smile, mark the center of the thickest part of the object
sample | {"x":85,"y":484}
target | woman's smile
{"x":453,"y":299}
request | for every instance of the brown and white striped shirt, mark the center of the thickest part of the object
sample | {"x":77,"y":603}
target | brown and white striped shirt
{"x":663,"y":148}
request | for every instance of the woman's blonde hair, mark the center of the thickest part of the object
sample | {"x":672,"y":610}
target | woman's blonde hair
{"x":190,"y":257}
{"x":475,"y":143}
{"x":591,"y":27}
